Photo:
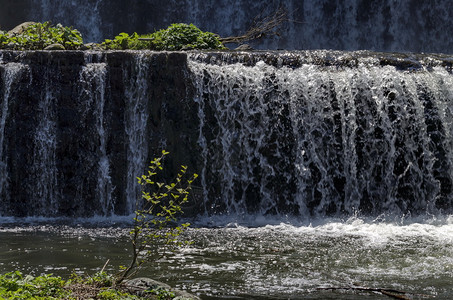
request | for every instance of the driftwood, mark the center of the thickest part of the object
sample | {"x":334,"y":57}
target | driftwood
{"x":261,"y":27}
{"x":395,"y":294}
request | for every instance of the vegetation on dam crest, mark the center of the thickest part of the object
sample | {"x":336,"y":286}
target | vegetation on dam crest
{"x":44,"y":36}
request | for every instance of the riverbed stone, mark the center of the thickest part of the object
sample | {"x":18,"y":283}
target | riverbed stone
{"x":140,"y":286}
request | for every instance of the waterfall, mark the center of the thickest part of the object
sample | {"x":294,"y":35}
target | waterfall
{"x":10,"y":73}
{"x":136,"y":119}
{"x":306,"y":133}
{"x":44,"y":180}
{"x":83,"y":15}
{"x":324,"y":140}
{"x":94,"y":76}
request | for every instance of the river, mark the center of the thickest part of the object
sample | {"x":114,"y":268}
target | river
{"x":259,"y":258}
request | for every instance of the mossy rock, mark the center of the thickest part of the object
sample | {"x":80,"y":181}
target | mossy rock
{"x":19,"y":29}
{"x":55,"y":46}
{"x":141,"y":287}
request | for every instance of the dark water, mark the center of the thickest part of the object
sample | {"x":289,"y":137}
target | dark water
{"x":254,"y":260}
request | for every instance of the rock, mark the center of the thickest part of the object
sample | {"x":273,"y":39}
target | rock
{"x":55,"y":46}
{"x":139,"y":287}
{"x":20,"y":28}
{"x":244,"y":47}
{"x":91,"y":46}
{"x":182,"y":295}
{"x":143,"y":283}
{"x":187,"y":48}
{"x":11,"y":46}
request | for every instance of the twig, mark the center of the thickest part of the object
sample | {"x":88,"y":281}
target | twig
{"x":260,"y":28}
{"x":395,"y":294}
{"x":105,"y":265}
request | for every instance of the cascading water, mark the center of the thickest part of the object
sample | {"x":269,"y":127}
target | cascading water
{"x":10,"y":72}
{"x":86,"y":19}
{"x":44,"y":179}
{"x":79,"y":127}
{"x":136,"y":125}
{"x":297,"y":133}
{"x":343,"y":148}
{"x":94,"y":75}
{"x":317,"y":140}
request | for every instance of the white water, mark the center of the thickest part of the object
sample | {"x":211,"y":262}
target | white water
{"x":44,"y":175}
{"x":257,"y":258}
{"x":325,"y":140}
{"x":94,"y":76}
{"x":83,"y":15}
{"x":136,"y":120}
{"x":10,"y":73}
{"x":296,"y":261}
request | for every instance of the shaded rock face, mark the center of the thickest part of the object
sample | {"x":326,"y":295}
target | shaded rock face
{"x":386,"y":25}
{"x":78,"y":128}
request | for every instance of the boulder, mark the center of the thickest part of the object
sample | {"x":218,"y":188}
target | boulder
{"x":244,"y":47}
{"x":20,"y":28}
{"x":55,"y":46}
{"x":91,"y":46}
{"x":139,"y":287}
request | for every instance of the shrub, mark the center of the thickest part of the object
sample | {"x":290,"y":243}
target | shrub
{"x":154,"y":228}
{"x":176,"y":37}
{"x":184,"y":36}
{"x":123,"y":41}
{"x":110,"y":294}
{"x":156,"y":215}
{"x":40,"y":35}
{"x":14,"y":285}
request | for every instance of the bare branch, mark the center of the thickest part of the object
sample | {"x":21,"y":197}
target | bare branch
{"x":261,"y":27}
{"x":395,"y":294}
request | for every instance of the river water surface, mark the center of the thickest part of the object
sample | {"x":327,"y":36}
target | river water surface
{"x":259,"y":259}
